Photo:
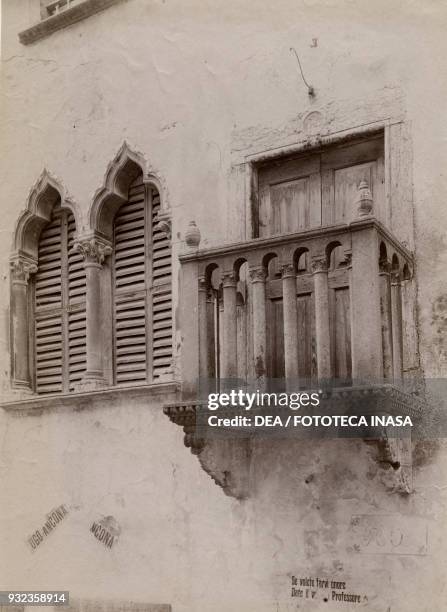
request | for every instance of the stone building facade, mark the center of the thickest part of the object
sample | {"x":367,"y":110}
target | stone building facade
{"x":180,"y":203}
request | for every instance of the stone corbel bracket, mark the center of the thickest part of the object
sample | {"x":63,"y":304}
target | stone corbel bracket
{"x":394,"y":448}
{"x":164,"y":223}
{"x":226,"y":461}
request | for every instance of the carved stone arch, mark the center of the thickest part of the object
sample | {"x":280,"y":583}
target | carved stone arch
{"x":46,"y":193}
{"x":120,"y":173}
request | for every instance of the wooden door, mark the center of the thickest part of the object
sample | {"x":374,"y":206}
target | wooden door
{"x":302,"y":192}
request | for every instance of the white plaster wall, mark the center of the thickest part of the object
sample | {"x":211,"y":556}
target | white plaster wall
{"x":195,"y":88}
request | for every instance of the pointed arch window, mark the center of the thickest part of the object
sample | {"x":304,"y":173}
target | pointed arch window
{"x":141,"y":285}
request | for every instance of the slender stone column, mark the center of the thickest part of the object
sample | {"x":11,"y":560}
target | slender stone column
{"x":396,"y":323}
{"x":206,"y":336}
{"x":94,"y":251}
{"x":229,"y":354}
{"x":258,"y":276}
{"x":20,"y":273}
{"x":385,"y":307}
{"x":366,"y":331}
{"x":290,"y":324}
{"x":203,"y":331}
{"x":322,"y":328}
{"x":220,"y":332}
{"x":241,"y":340}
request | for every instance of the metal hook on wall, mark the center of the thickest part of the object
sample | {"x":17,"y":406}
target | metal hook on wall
{"x":310,"y":89}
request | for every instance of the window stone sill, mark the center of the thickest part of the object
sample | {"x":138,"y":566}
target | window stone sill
{"x":64,"y":19}
{"x":38,"y":404}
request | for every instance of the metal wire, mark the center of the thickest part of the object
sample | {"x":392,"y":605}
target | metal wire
{"x":311,"y":90}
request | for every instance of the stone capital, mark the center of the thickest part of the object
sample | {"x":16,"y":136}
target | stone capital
{"x":21,"y":269}
{"x":288,"y":270}
{"x":384,"y":266}
{"x":93,"y":250}
{"x":229,"y":279}
{"x":258,"y":275}
{"x":348,"y":259}
{"x":319,"y":264}
{"x":395,"y":277}
{"x":204,"y":287}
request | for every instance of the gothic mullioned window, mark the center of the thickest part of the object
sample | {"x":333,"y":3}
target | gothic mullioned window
{"x":92,"y":310}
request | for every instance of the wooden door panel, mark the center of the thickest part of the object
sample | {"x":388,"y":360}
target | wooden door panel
{"x":289,"y":196}
{"x":290,"y":206}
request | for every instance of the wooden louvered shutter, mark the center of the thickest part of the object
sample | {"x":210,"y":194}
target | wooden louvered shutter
{"x":142,"y":290}
{"x":48,"y":308}
{"x":130,"y":289}
{"x":59,"y":308}
{"x":161,"y":295}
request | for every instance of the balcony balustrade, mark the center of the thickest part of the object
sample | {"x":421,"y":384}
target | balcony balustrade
{"x":319,"y":305}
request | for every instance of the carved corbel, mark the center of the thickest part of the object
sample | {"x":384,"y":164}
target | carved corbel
{"x":164,"y":224}
{"x":397,"y":452}
{"x":225,"y":460}
{"x":184,"y":415}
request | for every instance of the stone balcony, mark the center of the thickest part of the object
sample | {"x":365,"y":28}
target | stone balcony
{"x":228,"y":335}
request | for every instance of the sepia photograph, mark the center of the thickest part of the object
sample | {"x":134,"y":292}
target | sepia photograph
{"x":223,"y":306}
